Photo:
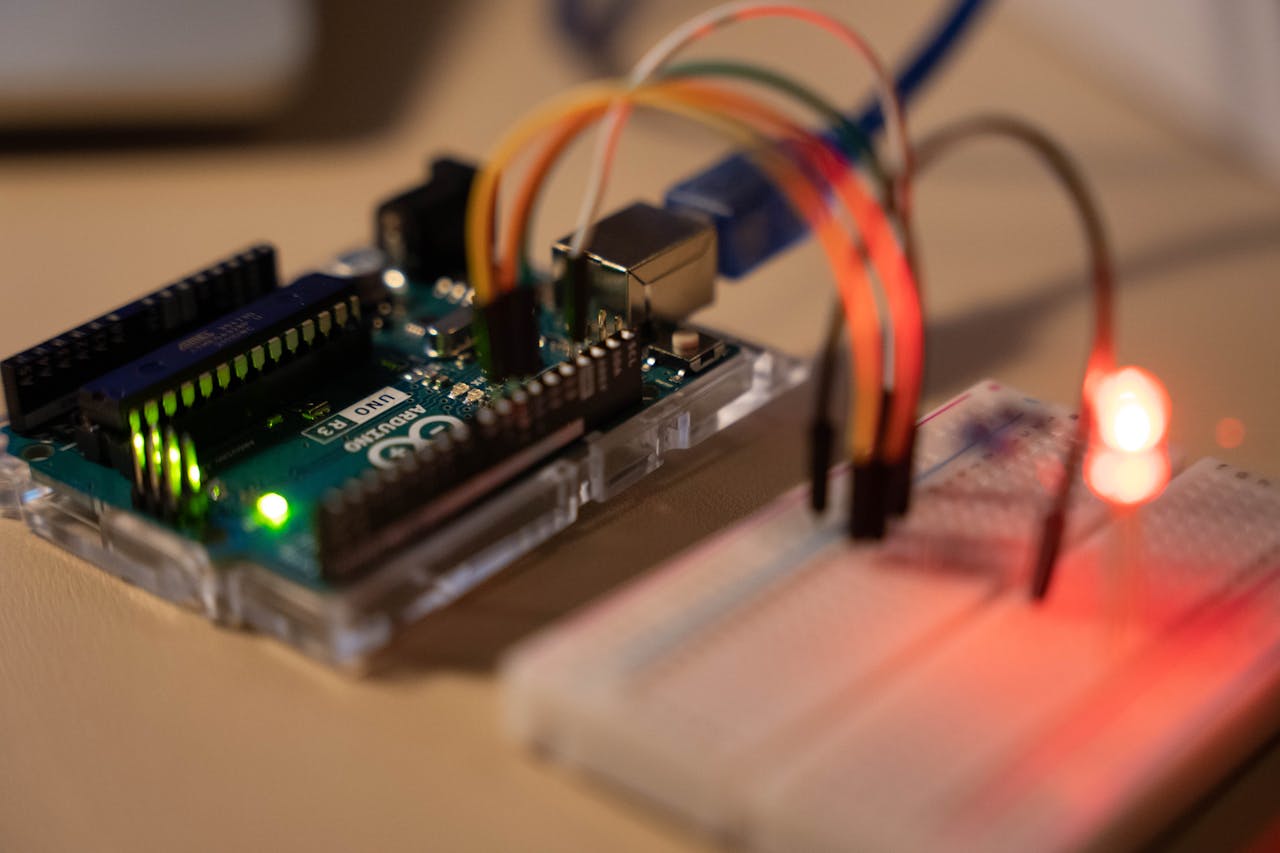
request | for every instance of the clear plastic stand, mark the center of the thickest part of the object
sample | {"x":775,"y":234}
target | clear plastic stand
{"x":344,"y":627}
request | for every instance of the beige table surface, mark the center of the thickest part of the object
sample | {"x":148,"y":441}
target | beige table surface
{"x":129,"y":725}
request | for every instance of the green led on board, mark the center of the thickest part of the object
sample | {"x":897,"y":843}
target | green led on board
{"x":193,"y":466}
{"x":273,"y":509}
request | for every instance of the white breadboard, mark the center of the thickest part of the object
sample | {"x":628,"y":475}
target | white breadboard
{"x":783,"y":689}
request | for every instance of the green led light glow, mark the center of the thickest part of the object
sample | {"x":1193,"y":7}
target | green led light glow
{"x":174,"y":466}
{"x":157,"y":451}
{"x":193,"y":466}
{"x":273,"y":509}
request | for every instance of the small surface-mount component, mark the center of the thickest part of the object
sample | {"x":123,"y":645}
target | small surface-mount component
{"x":40,"y":383}
{"x":422,"y":231}
{"x":686,"y":349}
{"x":449,"y":335}
{"x":643,"y":262}
{"x":313,"y":411}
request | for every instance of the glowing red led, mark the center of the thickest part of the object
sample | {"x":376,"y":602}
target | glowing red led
{"x":1126,"y":479}
{"x":1131,"y":410}
{"x":1128,"y":462}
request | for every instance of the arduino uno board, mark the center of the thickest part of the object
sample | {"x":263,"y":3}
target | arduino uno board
{"x":330,"y":459}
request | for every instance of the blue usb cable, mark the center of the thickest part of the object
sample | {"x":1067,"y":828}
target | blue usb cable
{"x":753,"y":220}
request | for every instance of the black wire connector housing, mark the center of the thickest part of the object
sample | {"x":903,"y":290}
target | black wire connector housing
{"x":507,"y":335}
{"x":423,"y":231}
{"x":822,"y":439}
{"x":868,"y":512}
{"x":898,"y":479}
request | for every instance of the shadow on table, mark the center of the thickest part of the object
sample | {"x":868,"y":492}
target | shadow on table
{"x":966,"y":348}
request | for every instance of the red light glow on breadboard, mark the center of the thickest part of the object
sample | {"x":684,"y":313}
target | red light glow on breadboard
{"x":1126,"y":479}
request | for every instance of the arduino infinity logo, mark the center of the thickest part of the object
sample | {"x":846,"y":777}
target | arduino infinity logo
{"x":384,"y":453}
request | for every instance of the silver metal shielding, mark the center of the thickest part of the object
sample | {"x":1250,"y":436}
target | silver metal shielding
{"x":647,"y":262}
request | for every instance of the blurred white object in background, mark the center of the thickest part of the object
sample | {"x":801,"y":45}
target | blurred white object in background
{"x":1213,"y":66}
{"x":149,"y":62}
